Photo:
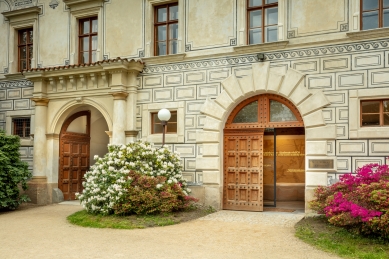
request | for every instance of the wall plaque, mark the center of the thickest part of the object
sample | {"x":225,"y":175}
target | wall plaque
{"x":321,"y":163}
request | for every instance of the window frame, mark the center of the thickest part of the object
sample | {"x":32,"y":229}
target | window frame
{"x":89,"y":35}
{"x":381,"y":113}
{"x":27,"y":45}
{"x":153,"y":114}
{"x":24,"y":127}
{"x":168,"y":22}
{"x":263,"y":7}
{"x":380,"y":14}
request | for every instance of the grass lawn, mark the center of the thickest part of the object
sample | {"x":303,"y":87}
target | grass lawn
{"x":84,"y":219}
{"x":317,"y":232}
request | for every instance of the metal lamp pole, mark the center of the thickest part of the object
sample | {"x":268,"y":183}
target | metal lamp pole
{"x":164,"y":115}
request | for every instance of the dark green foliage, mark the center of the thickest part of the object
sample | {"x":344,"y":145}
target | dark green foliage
{"x":13,"y":173}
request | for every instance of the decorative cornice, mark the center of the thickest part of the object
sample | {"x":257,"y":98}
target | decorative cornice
{"x":40,"y":101}
{"x":369,"y":34}
{"x":286,"y":54}
{"x":261,"y":47}
{"x":19,"y":83}
{"x":34,"y":10}
{"x":164,"y":59}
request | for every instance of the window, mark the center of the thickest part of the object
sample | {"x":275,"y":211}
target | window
{"x":166,"y":29}
{"x":25,"y":48}
{"x":87,"y":40}
{"x":156,"y":126}
{"x":262,"y":21}
{"x":374,"y":14}
{"x":21,"y":127}
{"x":375,"y":113}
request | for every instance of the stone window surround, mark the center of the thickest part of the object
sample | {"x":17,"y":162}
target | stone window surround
{"x":90,"y":9}
{"x":149,"y":25}
{"x":169,"y":138}
{"x":22,"y":19}
{"x":10,"y":115}
{"x":355,"y":129}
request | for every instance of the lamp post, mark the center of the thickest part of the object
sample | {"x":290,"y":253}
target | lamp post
{"x":164,"y":115}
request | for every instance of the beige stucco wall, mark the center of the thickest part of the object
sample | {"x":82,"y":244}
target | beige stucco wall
{"x":3,"y":38}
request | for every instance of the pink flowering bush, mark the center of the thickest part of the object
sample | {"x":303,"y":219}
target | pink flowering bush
{"x":358,"y":202}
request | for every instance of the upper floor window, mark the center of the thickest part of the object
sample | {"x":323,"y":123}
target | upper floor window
{"x":156,"y":126}
{"x":25,"y":48}
{"x":374,"y":14}
{"x":166,"y":29}
{"x":21,"y":127}
{"x":375,"y":113}
{"x":87,"y":39}
{"x":262,"y":21}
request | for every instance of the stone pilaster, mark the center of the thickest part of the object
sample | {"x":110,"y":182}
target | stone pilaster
{"x":119,"y":118}
{"x":132,"y":90}
{"x":38,"y":191}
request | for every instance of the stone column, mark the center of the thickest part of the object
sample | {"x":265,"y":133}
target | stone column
{"x":132,"y":89}
{"x":119,"y":118}
{"x":38,"y":191}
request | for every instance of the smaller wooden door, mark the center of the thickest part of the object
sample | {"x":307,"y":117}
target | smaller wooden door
{"x":73,"y":155}
{"x":243,"y":175}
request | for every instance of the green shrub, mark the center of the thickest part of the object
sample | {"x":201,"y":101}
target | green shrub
{"x":13,"y":173}
{"x":133,"y":175}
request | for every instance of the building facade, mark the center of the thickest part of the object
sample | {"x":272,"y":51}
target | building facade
{"x":269,"y":99}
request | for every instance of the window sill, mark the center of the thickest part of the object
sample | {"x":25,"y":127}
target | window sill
{"x":261,"y":47}
{"x":370,"y":132}
{"x":369,"y":34}
{"x":14,"y":76}
{"x":169,"y":138}
{"x":164,"y":59}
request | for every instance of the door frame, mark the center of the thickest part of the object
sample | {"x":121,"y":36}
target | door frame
{"x":72,"y":136}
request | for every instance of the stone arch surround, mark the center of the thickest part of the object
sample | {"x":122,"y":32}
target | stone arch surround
{"x":261,"y":80}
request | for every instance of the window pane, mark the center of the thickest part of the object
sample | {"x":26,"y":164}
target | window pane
{"x":248,"y":114}
{"x":84,"y":44}
{"x":371,"y":107}
{"x":271,"y":16}
{"x":30,"y":37}
{"x":157,"y":128}
{"x":386,"y":106}
{"x":155,"y":118}
{"x":162,"y":15}
{"x":171,"y":127}
{"x":173,"y":47}
{"x":271,"y":34}
{"x":255,"y":36}
{"x":173,"y":31}
{"x":370,"y":4}
{"x":173,"y":12}
{"x":255,"y":3}
{"x":94,"y":56}
{"x":85,"y":27}
{"x":173,"y":117}
{"x":370,"y":119}
{"x":386,"y":3}
{"x":280,"y":112}
{"x":23,"y":64}
{"x":161,"y":50}
{"x":255,"y":18}
{"x":271,"y":1}
{"x":386,"y":118}
{"x":161,"y":33}
{"x":30,"y":51}
{"x":23,"y":37}
{"x":23,"y":52}
{"x":94,"y":42}
{"x":370,"y":20}
{"x":94,"y":26}
{"x":84,"y":57}
{"x":386,"y":18}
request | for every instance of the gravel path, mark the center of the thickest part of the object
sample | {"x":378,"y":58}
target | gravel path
{"x":43,"y":232}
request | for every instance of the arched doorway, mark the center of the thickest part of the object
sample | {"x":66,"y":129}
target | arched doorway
{"x":74,"y":150}
{"x":264,"y":147}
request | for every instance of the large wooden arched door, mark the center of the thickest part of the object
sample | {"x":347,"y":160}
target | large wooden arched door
{"x":74,"y":153}
{"x":244,"y":147}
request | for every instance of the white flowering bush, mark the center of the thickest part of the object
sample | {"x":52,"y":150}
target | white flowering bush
{"x":114,"y":180}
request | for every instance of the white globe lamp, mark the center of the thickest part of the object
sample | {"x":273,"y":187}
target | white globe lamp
{"x":164,"y":115}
